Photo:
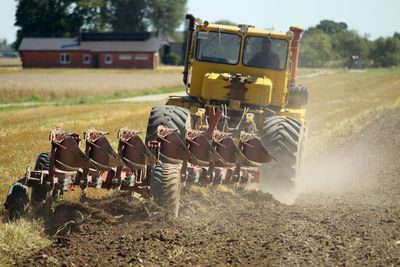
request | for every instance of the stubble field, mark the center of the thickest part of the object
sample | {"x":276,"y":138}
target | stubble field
{"x":341,"y":104}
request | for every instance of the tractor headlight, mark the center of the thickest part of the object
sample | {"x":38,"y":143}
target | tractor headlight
{"x":289,"y":34}
{"x":198,"y":21}
{"x":244,"y":29}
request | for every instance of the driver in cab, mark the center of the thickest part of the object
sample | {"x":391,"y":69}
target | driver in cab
{"x":265,"y":58}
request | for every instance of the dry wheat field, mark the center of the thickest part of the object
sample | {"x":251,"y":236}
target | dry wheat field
{"x":17,"y":83}
{"x":341,"y":104}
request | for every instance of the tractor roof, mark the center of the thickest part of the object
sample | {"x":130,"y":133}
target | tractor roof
{"x":236,"y":29}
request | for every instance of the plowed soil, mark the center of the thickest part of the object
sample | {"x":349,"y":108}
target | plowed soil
{"x":347,"y":213}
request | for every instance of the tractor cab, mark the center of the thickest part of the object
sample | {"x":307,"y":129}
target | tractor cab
{"x":239,"y":64}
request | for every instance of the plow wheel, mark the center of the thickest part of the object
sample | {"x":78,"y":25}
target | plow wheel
{"x":165,"y":186}
{"x":17,"y":200}
{"x":169,"y":117}
{"x":38,"y":192}
{"x":284,"y":137}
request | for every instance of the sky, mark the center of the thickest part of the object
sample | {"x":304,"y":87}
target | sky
{"x":373,"y":17}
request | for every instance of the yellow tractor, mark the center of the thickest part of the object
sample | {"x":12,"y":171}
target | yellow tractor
{"x":249,"y":74}
{"x":241,"y":122}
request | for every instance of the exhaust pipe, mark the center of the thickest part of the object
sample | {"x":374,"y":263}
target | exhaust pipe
{"x":189,"y":39}
{"x":297,"y":32}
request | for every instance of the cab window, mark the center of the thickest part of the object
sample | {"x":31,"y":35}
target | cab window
{"x":218,"y":47}
{"x":264,"y":52}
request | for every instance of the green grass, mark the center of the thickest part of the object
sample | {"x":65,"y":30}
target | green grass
{"x":20,"y":238}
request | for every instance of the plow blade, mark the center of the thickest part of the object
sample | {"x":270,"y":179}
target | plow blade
{"x":203,"y":152}
{"x":229,"y":152}
{"x":253,"y":149}
{"x":172,"y":147}
{"x":133,"y":151}
{"x":100,"y":152}
{"x":221,"y":151}
{"x":68,"y":155}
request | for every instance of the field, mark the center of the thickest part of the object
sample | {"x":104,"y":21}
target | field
{"x":10,"y":62}
{"x":23,"y":85}
{"x":341,"y":104}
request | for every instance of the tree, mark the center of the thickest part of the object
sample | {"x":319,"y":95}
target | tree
{"x":315,"y":49}
{"x":58,"y":18}
{"x":40,"y":18}
{"x":347,"y":44}
{"x":128,"y":15}
{"x":3,"y":43}
{"x":166,"y":15}
{"x":226,"y":22}
{"x":384,"y":52}
{"x":172,"y":59}
{"x":93,"y":15}
{"x":65,"y":18}
{"x":330,"y":27}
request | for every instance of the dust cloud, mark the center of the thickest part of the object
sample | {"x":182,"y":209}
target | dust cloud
{"x":338,"y":171}
{"x":334,"y":173}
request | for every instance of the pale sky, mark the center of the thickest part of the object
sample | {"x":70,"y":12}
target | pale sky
{"x":374,"y":17}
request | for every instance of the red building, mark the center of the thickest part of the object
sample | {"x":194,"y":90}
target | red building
{"x":92,"y":50}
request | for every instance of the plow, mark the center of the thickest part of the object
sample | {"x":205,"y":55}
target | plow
{"x":241,"y":122}
{"x":204,"y":157}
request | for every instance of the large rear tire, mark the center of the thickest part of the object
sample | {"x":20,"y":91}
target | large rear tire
{"x":170,"y":117}
{"x":165,"y":186}
{"x":284,"y":138}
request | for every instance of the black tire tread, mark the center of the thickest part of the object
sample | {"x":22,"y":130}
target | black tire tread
{"x":165,"y":186}
{"x":38,"y":192}
{"x":43,"y":161}
{"x":168,"y":116}
{"x":281,"y":135}
{"x":17,"y":201}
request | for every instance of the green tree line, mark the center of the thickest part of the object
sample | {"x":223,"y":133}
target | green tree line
{"x":65,"y":18}
{"x":332,"y":44}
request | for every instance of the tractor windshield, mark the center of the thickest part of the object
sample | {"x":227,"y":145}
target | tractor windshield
{"x":218,"y":47}
{"x":266,"y":53}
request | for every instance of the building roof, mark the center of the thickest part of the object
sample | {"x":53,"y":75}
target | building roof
{"x":49,"y":44}
{"x":114,"y":36}
{"x":152,"y":44}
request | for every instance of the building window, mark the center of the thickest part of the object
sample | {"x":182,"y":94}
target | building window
{"x":141,"y":57}
{"x":64,"y":59}
{"x":108,"y":59}
{"x":125,"y":57}
{"x":86,"y":59}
